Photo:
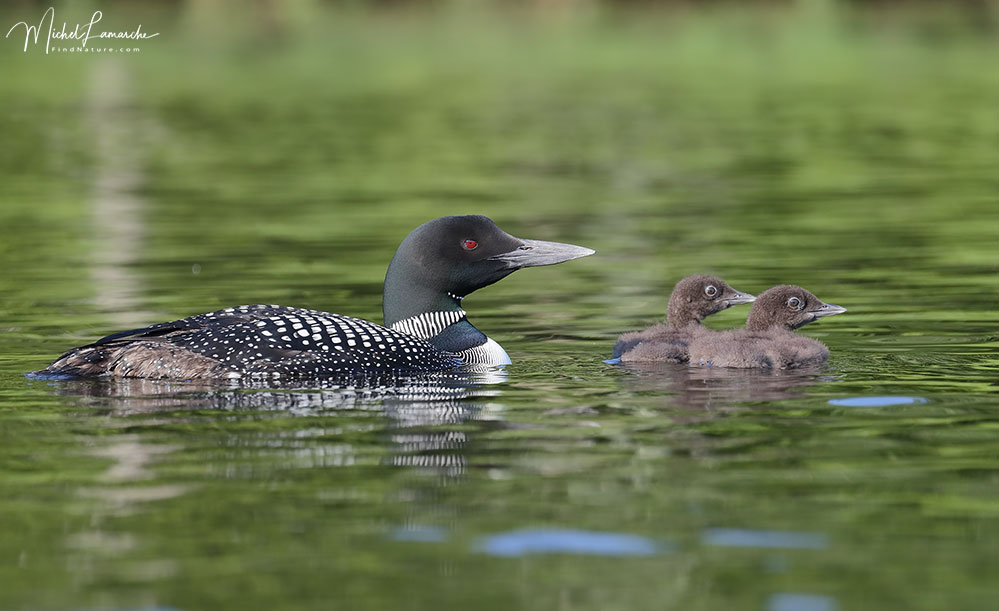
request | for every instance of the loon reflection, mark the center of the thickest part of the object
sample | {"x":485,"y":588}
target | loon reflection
{"x":424,"y":414}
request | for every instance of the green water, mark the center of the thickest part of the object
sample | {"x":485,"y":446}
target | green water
{"x":279,"y":155}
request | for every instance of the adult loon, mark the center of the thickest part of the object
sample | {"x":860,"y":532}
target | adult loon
{"x":768,"y":341}
{"x":435,"y":267}
{"x":693,"y":299}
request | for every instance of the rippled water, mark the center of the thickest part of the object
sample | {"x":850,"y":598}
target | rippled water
{"x":859,"y":163}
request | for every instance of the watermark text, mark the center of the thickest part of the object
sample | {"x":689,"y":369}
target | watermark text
{"x":82,"y":32}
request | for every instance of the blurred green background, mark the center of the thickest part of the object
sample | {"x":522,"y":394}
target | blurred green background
{"x":278,"y":152}
{"x":684,"y":136}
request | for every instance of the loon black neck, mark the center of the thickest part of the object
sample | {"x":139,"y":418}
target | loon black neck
{"x":459,"y":337}
{"x":411,"y":290}
{"x":437,"y":318}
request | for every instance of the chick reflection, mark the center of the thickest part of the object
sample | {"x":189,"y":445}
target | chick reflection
{"x":706,"y":387}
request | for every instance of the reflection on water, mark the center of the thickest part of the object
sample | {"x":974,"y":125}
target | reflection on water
{"x":420,"y":430}
{"x":710,"y":387}
{"x":876,"y":401}
{"x":419,"y":534}
{"x":119,"y":213}
{"x":558,"y":541}
{"x":435,"y":398}
{"x":427,"y":401}
{"x":741,"y":537}
{"x":788,"y":601}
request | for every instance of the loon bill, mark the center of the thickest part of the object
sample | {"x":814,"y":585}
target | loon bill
{"x":425,"y":330}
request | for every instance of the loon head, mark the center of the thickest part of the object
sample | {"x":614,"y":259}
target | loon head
{"x":787,"y":307}
{"x":442,"y":261}
{"x":696,"y":297}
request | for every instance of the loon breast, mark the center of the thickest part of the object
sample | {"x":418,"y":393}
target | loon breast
{"x":489,"y":353}
{"x":450,"y":331}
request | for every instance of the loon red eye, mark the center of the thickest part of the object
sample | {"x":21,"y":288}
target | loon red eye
{"x":470,"y":244}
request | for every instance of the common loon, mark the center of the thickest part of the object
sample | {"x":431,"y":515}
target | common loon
{"x":768,"y":339}
{"x":693,"y":299}
{"x":435,"y":267}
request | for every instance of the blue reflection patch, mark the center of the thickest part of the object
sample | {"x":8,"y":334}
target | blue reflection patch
{"x":41,"y":375}
{"x":614,"y":361}
{"x":550,"y":541}
{"x":786,"y":601}
{"x":876,"y":401}
{"x":741,"y":537}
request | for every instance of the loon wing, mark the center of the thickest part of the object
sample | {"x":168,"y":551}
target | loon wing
{"x":219,"y":318}
{"x":259,"y":340}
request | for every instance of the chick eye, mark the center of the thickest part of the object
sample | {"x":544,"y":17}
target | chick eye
{"x":470,"y":244}
{"x":795,"y":304}
{"x":710,"y":290}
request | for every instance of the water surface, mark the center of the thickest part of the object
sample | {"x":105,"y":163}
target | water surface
{"x":283,"y":160}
